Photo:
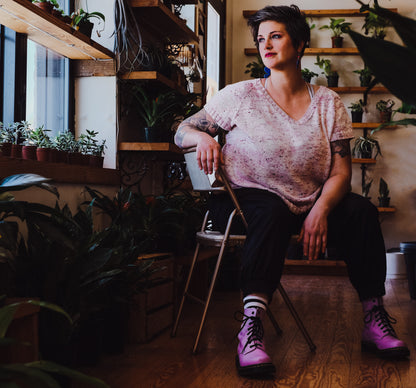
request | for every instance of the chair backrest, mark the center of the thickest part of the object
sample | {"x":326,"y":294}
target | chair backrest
{"x":203,"y":182}
{"x":200,"y":180}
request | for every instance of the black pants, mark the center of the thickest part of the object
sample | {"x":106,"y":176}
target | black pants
{"x":353,"y":228}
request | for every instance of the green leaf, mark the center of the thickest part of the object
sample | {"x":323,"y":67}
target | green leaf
{"x":393,"y":65}
{"x":33,"y":377}
{"x":6,"y":316}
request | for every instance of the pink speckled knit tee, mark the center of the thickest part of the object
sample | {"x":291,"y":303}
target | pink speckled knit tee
{"x":267,"y":149}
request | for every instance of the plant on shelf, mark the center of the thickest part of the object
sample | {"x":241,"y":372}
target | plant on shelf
{"x":383,"y":191}
{"x":385,"y":108}
{"x":366,"y":76}
{"x":255,"y":68}
{"x":307,"y":74}
{"x":337,"y":27}
{"x":331,"y":75}
{"x":46,"y":5}
{"x":375,"y":25}
{"x":357,"y":109}
{"x":81,"y":20}
{"x":366,"y":147}
{"x":90,"y":146}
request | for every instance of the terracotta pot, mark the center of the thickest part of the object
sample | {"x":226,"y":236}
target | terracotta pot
{"x":16,"y":151}
{"x":62,"y":156}
{"x":6,"y":149}
{"x":43,"y":154}
{"x":29,"y":152}
{"x":337,"y":41}
{"x":96,"y":161}
{"x":385,"y":117}
{"x":46,"y":6}
{"x":53,"y":155}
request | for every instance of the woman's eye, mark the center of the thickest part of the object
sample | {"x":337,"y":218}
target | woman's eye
{"x":260,"y":40}
{"x":276,"y":36}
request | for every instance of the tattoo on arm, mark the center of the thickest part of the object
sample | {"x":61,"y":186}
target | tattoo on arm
{"x":341,"y":147}
{"x":180,"y":133}
{"x":200,"y":121}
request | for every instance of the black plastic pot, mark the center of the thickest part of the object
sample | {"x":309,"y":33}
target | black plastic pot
{"x":384,"y":201}
{"x":86,"y":27}
{"x":409,"y":251}
{"x":332,"y":80}
{"x":152,"y":135}
{"x":356,"y":117}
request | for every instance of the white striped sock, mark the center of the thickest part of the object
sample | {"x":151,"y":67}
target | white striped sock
{"x":255,"y":301}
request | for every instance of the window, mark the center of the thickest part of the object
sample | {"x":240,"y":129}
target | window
{"x":35,"y":83}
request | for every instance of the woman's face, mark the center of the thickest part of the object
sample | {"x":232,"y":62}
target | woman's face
{"x":275,"y":45}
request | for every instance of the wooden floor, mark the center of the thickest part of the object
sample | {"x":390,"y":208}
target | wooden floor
{"x":332,"y":313}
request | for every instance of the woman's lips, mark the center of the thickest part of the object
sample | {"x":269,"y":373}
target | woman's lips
{"x":269,"y":55}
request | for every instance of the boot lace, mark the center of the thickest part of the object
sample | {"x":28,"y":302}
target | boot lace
{"x":255,"y":331}
{"x":383,"y":319}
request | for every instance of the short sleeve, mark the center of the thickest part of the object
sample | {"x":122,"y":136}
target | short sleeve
{"x":342,"y":127}
{"x":223,"y":106}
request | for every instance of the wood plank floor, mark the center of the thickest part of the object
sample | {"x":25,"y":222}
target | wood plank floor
{"x":332,"y":314}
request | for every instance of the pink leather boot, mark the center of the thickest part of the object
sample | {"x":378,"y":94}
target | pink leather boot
{"x":252,"y":359}
{"x":378,"y":334}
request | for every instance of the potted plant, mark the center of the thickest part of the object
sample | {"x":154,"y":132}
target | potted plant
{"x":6,"y":137}
{"x":18,"y":130}
{"x":40,"y":138}
{"x":81,"y":20}
{"x":365,"y":147}
{"x":157,"y":113}
{"x":337,"y":27}
{"x":307,"y":75}
{"x":366,"y":76}
{"x":29,"y":147}
{"x":383,"y":191}
{"x":255,"y":68}
{"x":331,"y":75}
{"x":385,"y":107}
{"x":375,"y":25}
{"x":62,"y":144}
{"x":357,"y":109}
{"x":90,"y":146}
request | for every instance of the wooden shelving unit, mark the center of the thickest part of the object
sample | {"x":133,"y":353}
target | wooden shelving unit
{"x":315,"y":51}
{"x":153,"y":76}
{"x":363,"y":161}
{"x":367,"y":125}
{"x":162,"y":22}
{"x":136,"y":146}
{"x":360,"y":89}
{"x":43,"y":28}
{"x":325,"y":12}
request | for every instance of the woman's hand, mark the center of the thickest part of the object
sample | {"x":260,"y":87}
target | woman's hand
{"x":314,"y":234}
{"x":209,"y":154}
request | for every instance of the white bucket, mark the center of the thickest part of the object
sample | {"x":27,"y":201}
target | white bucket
{"x":396,"y":266}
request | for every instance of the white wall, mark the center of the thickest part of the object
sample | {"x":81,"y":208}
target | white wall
{"x":397,"y":166}
{"x":95,"y":97}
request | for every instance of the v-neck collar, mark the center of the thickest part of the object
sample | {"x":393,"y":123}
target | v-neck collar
{"x":305,"y":117}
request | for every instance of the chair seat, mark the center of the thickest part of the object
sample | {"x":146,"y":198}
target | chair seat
{"x":215,"y":238}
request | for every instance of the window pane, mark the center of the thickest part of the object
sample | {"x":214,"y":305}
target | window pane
{"x":9,"y":62}
{"x":213,"y":52}
{"x":47,"y":88}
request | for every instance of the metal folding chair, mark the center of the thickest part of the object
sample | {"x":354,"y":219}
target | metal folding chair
{"x":203,"y":183}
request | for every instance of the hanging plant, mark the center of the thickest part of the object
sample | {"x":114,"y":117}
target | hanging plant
{"x":128,"y":45}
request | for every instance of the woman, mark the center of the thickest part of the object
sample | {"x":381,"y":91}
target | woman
{"x":287,"y":155}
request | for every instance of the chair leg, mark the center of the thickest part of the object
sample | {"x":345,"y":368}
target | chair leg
{"x":211,"y":288}
{"x":298,"y":321}
{"x":185,"y":292}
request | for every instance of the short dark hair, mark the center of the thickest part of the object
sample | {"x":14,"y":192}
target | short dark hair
{"x":294,"y":20}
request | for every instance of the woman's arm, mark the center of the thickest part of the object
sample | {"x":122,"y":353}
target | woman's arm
{"x":198,"y":131}
{"x":315,"y":227}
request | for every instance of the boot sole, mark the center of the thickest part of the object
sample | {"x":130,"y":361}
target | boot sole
{"x":399,"y":352}
{"x":256,"y":370}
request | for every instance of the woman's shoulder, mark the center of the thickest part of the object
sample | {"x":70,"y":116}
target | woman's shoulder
{"x":242,"y":88}
{"x":326,"y":95}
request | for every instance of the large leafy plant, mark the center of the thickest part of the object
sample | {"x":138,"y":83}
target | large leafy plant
{"x":392,"y":64}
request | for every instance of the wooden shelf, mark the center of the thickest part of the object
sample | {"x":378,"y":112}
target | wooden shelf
{"x":60,"y":172}
{"x":149,"y":147}
{"x":389,"y":209}
{"x":161,"y":21}
{"x":365,"y":125}
{"x":315,"y":51}
{"x":359,"y":89}
{"x":153,"y":76}
{"x":324,"y":12}
{"x":45,"y":29}
{"x":363,"y":161}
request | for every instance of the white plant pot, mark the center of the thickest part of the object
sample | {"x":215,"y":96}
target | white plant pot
{"x":396,"y":265}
